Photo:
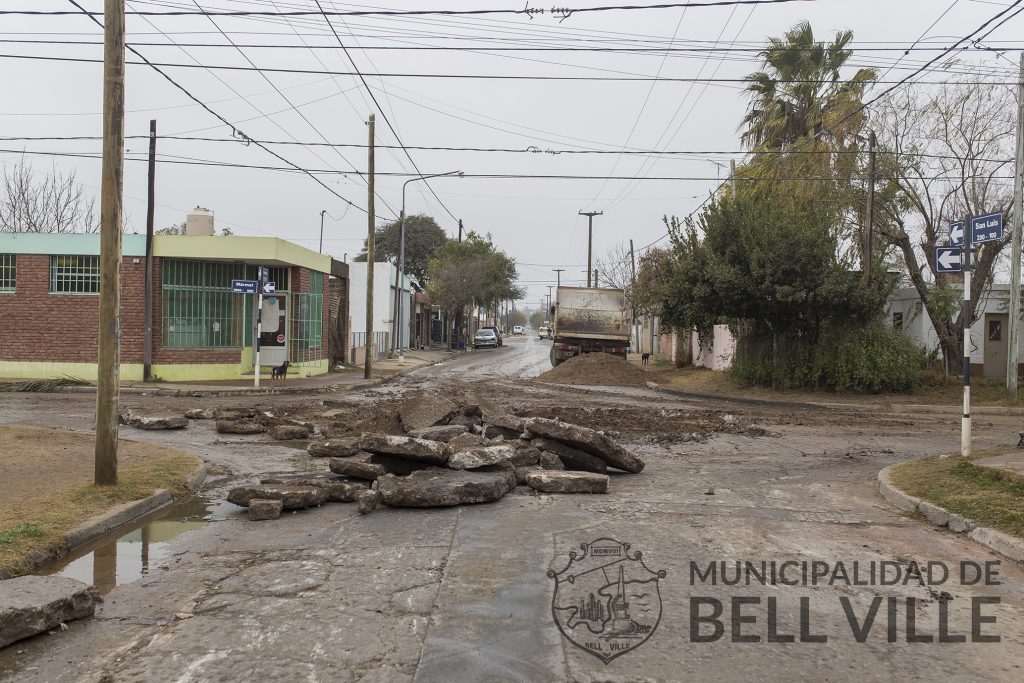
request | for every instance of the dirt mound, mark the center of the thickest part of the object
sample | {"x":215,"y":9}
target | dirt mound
{"x":596,"y":368}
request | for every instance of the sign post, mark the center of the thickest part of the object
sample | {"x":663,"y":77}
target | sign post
{"x":965,"y":422}
{"x":259,"y":288}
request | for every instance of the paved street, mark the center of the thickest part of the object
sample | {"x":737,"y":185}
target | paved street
{"x":463,"y":594}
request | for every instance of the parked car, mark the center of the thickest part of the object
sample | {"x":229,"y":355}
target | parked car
{"x":497,"y":332}
{"x":485,"y":336}
{"x":545,"y":332}
{"x":518,"y":329}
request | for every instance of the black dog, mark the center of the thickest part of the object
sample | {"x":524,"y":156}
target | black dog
{"x":281,"y":371}
{"x":644,"y":357}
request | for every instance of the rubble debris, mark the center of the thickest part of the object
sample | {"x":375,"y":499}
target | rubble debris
{"x":357,"y":466}
{"x":201,"y":414}
{"x":395,"y":465}
{"x":30,"y":605}
{"x":526,"y":454}
{"x":367,"y":501}
{"x":426,"y":410}
{"x":486,"y":456}
{"x":338,"y":488}
{"x":268,"y":419}
{"x":490,"y":432}
{"x":438,"y":487}
{"x":567,"y":482}
{"x":467,"y":440}
{"x":234,"y":413}
{"x":334,"y":448}
{"x":261,"y":509}
{"x":588,"y":440}
{"x":468,"y":421}
{"x":471,"y":410}
{"x":523,"y":472}
{"x":709,"y":491}
{"x":432,"y":452}
{"x":549,"y":461}
{"x":502,"y":424}
{"x":292,"y":496}
{"x":240,"y":426}
{"x":289,"y":432}
{"x":572,"y":458}
{"x":132,"y":419}
{"x":439,"y":433}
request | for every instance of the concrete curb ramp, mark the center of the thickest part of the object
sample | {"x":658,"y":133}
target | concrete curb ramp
{"x":997,"y":541}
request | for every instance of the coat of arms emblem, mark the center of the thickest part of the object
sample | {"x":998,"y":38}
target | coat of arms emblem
{"x":606,"y":600}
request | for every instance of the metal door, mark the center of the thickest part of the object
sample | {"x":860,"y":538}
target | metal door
{"x":996,"y":345}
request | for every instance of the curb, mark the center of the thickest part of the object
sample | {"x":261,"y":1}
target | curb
{"x":996,"y":541}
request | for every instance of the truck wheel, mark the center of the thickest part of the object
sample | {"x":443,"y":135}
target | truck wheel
{"x":555,"y":362}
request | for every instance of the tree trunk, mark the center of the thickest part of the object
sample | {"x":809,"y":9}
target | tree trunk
{"x":684,"y":348}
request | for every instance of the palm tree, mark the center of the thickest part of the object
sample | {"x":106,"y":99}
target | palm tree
{"x":799,"y":95}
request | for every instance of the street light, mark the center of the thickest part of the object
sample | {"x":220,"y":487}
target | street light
{"x":324,"y":211}
{"x":401,"y":258}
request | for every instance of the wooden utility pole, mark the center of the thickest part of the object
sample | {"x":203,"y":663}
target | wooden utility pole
{"x":590,"y":238}
{"x":111,"y":189}
{"x":869,"y":230}
{"x":1013,"y":337}
{"x":632,"y":296}
{"x":147,"y":339}
{"x":371,"y":236}
{"x":732,"y":177}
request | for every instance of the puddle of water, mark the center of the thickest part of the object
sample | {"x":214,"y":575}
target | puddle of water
{"x":127,"y":554}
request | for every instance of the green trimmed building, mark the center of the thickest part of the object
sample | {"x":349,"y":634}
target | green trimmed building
{"x":200,"y":330}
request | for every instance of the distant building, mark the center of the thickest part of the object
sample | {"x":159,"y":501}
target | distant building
{"x":385,"y":277}
{"x":49,"y":305}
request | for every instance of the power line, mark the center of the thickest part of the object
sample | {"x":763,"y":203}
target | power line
{"x":218,"y":116}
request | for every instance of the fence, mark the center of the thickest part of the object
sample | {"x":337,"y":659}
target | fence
{"x":381,"y":344}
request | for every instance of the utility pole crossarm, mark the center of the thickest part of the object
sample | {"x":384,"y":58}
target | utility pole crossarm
{"x":590,"y":239}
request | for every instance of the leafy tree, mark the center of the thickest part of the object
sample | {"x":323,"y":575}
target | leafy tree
{"x":423,"y":238}
{"x":537,"y":319}
{"x":473,"y":271}
{"x":173,"y":229}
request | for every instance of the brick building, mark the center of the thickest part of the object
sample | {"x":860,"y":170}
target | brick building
{"x":49,"y":305}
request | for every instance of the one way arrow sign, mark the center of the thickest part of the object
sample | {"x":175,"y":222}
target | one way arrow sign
{"x":948,"y":259}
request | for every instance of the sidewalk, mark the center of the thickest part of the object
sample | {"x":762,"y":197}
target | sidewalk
{"x":1011,"y":462}
{"x":345,"y":380}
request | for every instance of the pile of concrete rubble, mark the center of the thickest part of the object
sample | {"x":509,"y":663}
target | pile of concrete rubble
{"x":450,"y":455}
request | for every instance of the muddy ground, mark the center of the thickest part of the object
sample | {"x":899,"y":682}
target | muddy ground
{"x":464,"y":593}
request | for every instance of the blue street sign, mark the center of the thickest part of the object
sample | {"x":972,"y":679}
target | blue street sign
{"x":987,"y":228}
{"x":956,"y":233}
{"x":948,"y":259}
{"x":269,"y":287}
{"x":244,"y":286}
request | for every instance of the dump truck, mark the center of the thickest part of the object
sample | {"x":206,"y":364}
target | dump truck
{"x":589,"y":320}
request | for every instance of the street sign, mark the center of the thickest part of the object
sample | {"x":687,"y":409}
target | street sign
{"x":948,"y":259}
{"x":245,"y":286}
{"x":956,"y":233}
{"x":263,"y":274}
{"x":269,"y":287}
{"x":987,"y":228}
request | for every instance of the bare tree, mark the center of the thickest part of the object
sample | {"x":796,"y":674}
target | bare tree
{"x":945,"y":155}
{"x":56,"y":202}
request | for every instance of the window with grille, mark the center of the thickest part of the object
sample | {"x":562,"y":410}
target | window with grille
{"x":199,"y":309}
{"x":307,"y":312}
{"x":8,"y":272}
{"x":74,"y":274}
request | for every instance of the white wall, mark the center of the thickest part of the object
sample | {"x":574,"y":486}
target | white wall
{"x":719,"y":356}
{"x":384,"y":275}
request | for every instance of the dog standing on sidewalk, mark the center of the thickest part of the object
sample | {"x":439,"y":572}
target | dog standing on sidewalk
{"x":644,"y":357}
{"x":280,"y":372}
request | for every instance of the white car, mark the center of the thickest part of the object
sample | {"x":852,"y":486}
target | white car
{"x":545,"y":332}
{"x":518,"y":329}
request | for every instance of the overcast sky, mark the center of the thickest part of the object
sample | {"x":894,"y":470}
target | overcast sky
{"x":534,"y":220}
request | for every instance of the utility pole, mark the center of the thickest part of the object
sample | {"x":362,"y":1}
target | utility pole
{"x":111,"y":211}
{"x":460,"y":229}
{"x":558,"y":275}
{"x":590,"y":238}
{"x":596,"y":283}
{"x":1013,"y":337}
{"x":732,"y":177}
{"x":322,"y":212}
{"x":869,"y":232}
{"x":632,"y":296}
{"x":549,"y":299}
{"x":147,"y":339}
{"x":370,"y":239}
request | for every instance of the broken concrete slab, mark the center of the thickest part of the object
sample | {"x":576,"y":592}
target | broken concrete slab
{"x":367,"y":501}
{"x":440,"y":433}
{"x":588,"y":440}
{"x":550,"y":461}
{"x":426,"y":410}
{"x":334,"y":448}
{"x":292,"y":496}
{"x":492,"y":432}
{"x":339,"y":489}
{"x":30,"y":605}
{"x":464,"y":441}
{"x":523,"y":472}
{"x":572,"y":458}
{"x":235,"y":413}
{"x":568,"y":482}
{"x":395,"y":465}
{"x":503,"y":420}
{"x":289,"y":432}
{"x":201,"y":414}
{"x":468,"y":421}
{"x":526,"y":454}
{"x":421,"y":450}
{"x":262,"y":509}
{"x":243,"y":426}
{"x":438,"y":487}
{"x":133,"y":419}
{"x":486,"y":456}
{"x":358,"y":467}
